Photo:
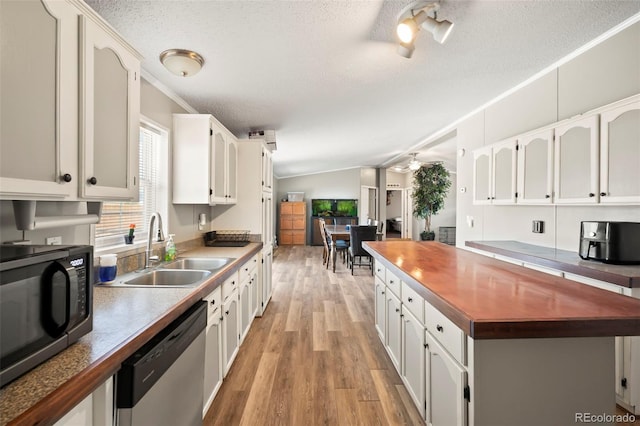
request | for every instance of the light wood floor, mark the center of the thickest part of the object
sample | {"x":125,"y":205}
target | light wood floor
{"x":314,"y":357}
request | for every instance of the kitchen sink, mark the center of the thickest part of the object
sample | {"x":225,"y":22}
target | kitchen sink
{"x":169,"y":278}
{"x":206,"y":263}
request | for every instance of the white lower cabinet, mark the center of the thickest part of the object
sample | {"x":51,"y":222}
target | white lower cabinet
{"x":394,"y":328}
{"x":413,"y":358}
{"x":264,"y":280}
{"x":95,"y":410}
{"x":446,"y":381}
{"x":213,"y":349}
{"x":245,"y":307}
{"x":230,"y":330}
{"x":380,"y":312}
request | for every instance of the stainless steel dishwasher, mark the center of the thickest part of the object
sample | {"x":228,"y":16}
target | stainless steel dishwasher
{"x":161,"y":384}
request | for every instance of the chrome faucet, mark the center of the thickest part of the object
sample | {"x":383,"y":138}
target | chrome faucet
{"x":147,"y":254}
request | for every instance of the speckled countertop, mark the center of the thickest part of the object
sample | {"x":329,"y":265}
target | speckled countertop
{"x":123,"y":320}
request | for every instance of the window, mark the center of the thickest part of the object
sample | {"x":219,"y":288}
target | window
{"x":117,"y":216}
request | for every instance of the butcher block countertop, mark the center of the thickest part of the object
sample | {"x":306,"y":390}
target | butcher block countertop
{"x":124,"y":319}
{"x":563,"y":260}
{"x":491,"y":299}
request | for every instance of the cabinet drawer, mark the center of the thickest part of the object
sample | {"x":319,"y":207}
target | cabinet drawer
{"x":298,"y":237}
{"x":229,"y":286}
{"x":446,"y":332}
{"x":298,"y":222}
{"x":413,"y":301}
{"x":393,"y":283}
{"x":299,"y":208}
{"x":247,"y":269}
{"x":214,"y":301}
{"x":286,"y":222}
{"x":380,"y":270}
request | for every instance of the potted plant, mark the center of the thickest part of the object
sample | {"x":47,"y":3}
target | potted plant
{"x":430,"y":186}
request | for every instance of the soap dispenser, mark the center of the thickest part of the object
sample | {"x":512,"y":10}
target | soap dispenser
{"x":170,"y":250}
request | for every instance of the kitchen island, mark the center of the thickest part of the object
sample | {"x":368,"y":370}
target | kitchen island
{"x":124,"y":319}
{"x":506,"y":344}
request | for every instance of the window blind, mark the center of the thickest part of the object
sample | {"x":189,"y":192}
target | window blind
{"x":117,"y":216}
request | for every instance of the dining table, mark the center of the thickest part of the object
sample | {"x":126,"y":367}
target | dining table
{"x":340,"y":232}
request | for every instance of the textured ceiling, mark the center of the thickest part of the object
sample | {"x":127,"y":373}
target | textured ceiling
{"x":325,"y":74}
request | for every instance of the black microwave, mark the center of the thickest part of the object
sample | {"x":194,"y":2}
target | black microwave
{"x":46,"y":303}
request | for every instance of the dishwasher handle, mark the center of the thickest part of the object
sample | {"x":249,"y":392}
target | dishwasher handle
{"x":142,"y":370}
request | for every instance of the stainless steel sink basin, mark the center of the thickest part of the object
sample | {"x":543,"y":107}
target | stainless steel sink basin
{"x":169,"y":278}
{"x":207,"y":263}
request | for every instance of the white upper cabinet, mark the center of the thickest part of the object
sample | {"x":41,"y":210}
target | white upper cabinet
{"x":576,"y":161}
{"x":535,"y":167}
{"x":110,"y":112}
{"x":504,"y":172}
{"x":39,"y":76}
{"x":495,"y":173}
{"x":47,"y":77}
{"x":482,"y":166}
{"x":620,"y":152}
{"x":225,"y":161}
{"x":204,"y":161}
{"x":267,"y":170}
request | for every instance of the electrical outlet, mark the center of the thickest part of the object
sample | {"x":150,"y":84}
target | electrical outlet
{"x":537,"y":227}
{"x":53,"y":241}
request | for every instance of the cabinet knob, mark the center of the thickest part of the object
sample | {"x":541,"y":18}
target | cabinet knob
{"x":390,"y":281}
{"x":92,"y":180}
{"x":603,"y":194}
{"x":488,"y":198}
{"x":66,"y":177}
{"x":547,"y":196}
{"x":382,"y":292}
{"x":591,"y":194}
{"x":226,"y":312}
{"x":213,"y":302}
{"x":439,"y":328}
{"x":397,"y":310}
{"x":410,"y":300}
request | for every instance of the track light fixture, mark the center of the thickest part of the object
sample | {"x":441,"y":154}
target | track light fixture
{"x":413,"y":18}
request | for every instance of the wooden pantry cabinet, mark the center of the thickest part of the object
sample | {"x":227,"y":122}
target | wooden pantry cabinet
{"x":293,"y":222}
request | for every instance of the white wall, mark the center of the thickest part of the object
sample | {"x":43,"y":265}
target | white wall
{"x":339,"y":184}
{"x":603,"y":74}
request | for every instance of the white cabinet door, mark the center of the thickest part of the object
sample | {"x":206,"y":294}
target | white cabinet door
{"x":245,"y":308}
{"x":482,"y":166}
{"x":255,"y":299}
{"x":110,"y":115}
{"x":380,"y":312}
{"x":535,"y":167}
{"x":267,"y":258}
{"x":231,"y":164}
{"x":224,"y":158}
{"x":413,"y":355}
{"x":503,"y":172}
{"x":213,"y":358}
{"x":39,"y":102}
{"x":267,"y":170}
{"x":620,"y":152}
{"x":576,"y":161}
{"x":446,"y":382}
{"x":394,"y":328}
{"x":230,"y":331}
{"x":192,"y":159}
{"x":267,"y":219}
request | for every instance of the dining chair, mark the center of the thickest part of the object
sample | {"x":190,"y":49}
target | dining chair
{"x":358,"y":234}
{"x":325,"y":249}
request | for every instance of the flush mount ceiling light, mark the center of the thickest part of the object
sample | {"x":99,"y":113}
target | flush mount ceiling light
{"x":413,"y":18}
{"x":414,"y":164}
{"x":184,"y":63}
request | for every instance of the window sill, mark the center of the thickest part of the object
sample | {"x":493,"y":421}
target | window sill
{"x":123,"y":250}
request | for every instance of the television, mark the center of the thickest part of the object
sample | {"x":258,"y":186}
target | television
{"x":333,"y":207}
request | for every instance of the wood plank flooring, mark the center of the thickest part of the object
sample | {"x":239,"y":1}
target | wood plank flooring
{"x":314,"y":358}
